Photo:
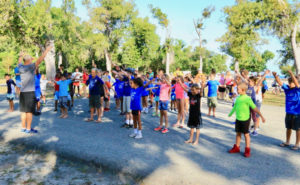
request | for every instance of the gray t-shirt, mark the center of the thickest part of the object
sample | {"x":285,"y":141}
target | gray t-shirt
{"x":27,"y":77}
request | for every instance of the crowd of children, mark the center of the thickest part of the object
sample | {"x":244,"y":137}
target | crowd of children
{"x":135,"y":93}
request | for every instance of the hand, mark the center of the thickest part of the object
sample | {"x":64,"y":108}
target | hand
{"x":263,"y":120}
{"x":274,"y":73}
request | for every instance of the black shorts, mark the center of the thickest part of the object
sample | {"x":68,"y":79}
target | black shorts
{"x":292,"y":121}
{"x":263,"y":90}
{"x":94,"y":101}
{"x":222,"y":89}
{"x":27,"y":102}
{"x":242,"y":126}
{"x":136,"y":112}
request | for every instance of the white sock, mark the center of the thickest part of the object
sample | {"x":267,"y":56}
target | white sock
{"x":135,"y":130}
{"x":131,"y":122}
{"x":127,"y":122}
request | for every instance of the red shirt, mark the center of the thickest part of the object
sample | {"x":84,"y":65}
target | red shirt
{"x":85,"y":77}
{"x":56,"y":86}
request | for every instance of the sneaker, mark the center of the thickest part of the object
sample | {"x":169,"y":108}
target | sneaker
{"x":235,"y":149}
{"x":146,"y":111}
{"x":247,"y":152}
{"x":254,"y":133}
{"x":164,"y":131}
{"x":158,"y":128}
{"x":138,"y":136}
{"x":125,"y":125}
{"x":55,"y":110}
{"x":23,"y":130}
{"x":133,"y":135}
{"x":130,"y":126}
{"x":143,"y":110}
{"x":150,"y":106}
{"x":33,"y":131}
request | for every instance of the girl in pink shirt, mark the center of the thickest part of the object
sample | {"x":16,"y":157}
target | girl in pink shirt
{"x":179,"y":91}
{"x":164,"y":95}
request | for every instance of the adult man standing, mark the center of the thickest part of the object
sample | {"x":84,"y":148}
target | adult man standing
{"x":27,"y":95}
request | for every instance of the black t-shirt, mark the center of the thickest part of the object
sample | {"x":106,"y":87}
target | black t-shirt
{"x":194,"y":104}
{"x":10,"y":85}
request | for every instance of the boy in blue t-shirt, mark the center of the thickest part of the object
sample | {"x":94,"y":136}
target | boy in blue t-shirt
{"x":212,"y":100}
{"x":63,"y":94}
{"x":10,"y":92}
{"x":119,"y":93}
{"x":292,"y":108}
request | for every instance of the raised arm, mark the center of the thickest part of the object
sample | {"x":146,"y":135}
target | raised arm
{"x":259,"y":82}
{"x":183,"y":87}
{"x":294,"y":78}
{"x":277,"y":79}
{"x":39,"y":60}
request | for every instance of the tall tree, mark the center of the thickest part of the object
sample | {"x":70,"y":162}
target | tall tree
{"x":199,"y":27}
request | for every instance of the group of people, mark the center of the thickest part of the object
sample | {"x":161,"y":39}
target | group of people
{"x":136,"y":92}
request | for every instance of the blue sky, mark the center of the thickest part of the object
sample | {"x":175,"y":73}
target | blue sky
{"x":181,"y":14}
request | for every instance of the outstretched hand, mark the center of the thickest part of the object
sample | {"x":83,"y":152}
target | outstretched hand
{"x":274,"y":73}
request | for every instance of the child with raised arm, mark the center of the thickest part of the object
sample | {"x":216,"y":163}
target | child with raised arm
{"x":10,"y":96}
{"x":292,"y":109}
{"x":164,"y":95}
{"x":242,"y":109}
{"x":212,"y":95}
{"x":195,"y":119}
{"x":179,"y":91}
{"x":136,"y":106}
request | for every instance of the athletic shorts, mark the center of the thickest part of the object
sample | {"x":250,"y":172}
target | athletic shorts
{"x":77,"y":84}
{"x":212,"y":102}
{"x":163,"y":105}
{"x":18,"y":83}
{"x":156,"y":98}
{"x":56,"y":95}
{"x":63,"y":101}
{"x":38,"y":94}
{"x":126,"y":104}
{"x":292,"y":121}
{"x":43,"y":92}
{"x":222,"y":89}
{"x":242,"y":126}
{"x":173,"y":97}
{"x":136,"y":112}
{"x":10,"y":96}
{"x":27,"y":102}
{"x":94,"y":101}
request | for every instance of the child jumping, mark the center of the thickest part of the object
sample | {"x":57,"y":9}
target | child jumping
{"x":242,"y":108}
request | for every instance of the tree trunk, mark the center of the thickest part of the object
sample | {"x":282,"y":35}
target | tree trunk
{"x":59,"y":59}
{"x":108,"y":61}
{"x":50,"y":62}
{"x":200,"y":58}
{"x":237,"y":66}
{"x":168,"y":63}
{"x":296,"y":49}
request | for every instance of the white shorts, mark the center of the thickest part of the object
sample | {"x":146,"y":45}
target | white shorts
{"x":126,"y":104}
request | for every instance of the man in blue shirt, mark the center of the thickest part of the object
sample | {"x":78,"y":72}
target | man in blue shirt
{"x":212,"y":100}
{"x":292,"y":108}
{"x":94,"y":83}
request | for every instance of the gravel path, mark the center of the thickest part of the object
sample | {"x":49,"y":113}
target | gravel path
{"x":157,"y":158}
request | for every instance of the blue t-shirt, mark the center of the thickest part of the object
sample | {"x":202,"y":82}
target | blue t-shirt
{"x":145,"y":92}
{"x":18,"y":77}
{"x":157,"y":90}
{"x":37,"y":78}
{"x":292,"y":100}
{"x":212,"y":88}
{"x":251,"y":92}
{"x":127,"y":87}
{"x":10,"y":86}
{"x":136,"y":98}
{"x":64,"y":87}
{"x":119,"y":85}
{"x":94,"y":85}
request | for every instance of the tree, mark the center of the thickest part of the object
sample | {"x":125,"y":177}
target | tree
{"x":164,"y":22}
{"x":199,"y":27}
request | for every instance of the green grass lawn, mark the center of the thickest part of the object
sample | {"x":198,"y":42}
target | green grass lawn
{"x":272,"y":99}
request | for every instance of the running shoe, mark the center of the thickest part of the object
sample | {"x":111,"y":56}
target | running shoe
{"x":158,"y":128}
{"x":133,"y":135}
{"x":165,"y":130}
{"x":138,"y":136}
{"x":254,"y":133}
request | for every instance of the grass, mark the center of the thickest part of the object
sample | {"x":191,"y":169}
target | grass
{"x":272,"y":99}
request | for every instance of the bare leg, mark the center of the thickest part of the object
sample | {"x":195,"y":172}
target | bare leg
{"x":288,"y":136}
{"x":182,"y":113}
{"x":99,"y":114}
{"x":247,"y":140}
{"x":29,"y":120}
{"x":135,"y":121}
{"x":238,"y":139}
{"x":166,"y":119}
{"x":92,"y":113}
{"x":190,"y":140}
{"x":197,"y":137}
{"x":23,"y":119}
{"x":179,"y":114}
{"x":139,"y":122}
{"x":214,"y":111}
{"x":297,"y":138}
{"x":209,"y":111}
{"x":161,"y":118}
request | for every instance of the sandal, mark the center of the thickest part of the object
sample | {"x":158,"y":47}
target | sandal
{"x":295,"y":148}
{"x":89,"y":120}
{"x":98,"y":121}
{"x":284,"y":145}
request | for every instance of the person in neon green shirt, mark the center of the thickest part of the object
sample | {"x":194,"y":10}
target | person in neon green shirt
{"x":242,"y":109}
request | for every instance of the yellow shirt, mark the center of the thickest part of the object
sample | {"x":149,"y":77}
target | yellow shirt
{"x":177,"y":73}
